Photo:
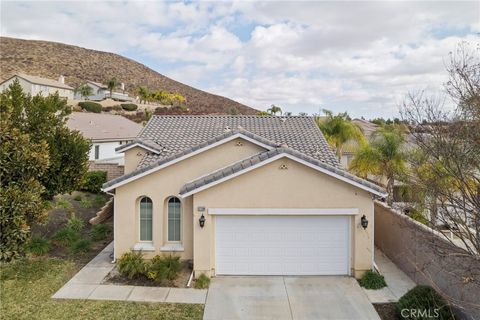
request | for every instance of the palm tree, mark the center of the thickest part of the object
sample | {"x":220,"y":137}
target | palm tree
{"x":274,"y":109}
{"x":384,"y":156}
{"x":338,"y":129}
{"x":143,"y":94}
{"x":112,"y":84}
{"x":85,"y":91}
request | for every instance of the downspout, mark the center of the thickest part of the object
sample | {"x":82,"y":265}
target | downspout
{"x":113,"y":195}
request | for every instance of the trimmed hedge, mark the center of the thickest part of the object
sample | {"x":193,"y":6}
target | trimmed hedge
{"x":423,"y":302}
{"x":90,"y":106}
{"x":372,"y":280}
{"x":93,"y":181}
{"x":129,"y":106}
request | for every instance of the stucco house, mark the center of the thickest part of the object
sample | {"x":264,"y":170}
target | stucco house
{"x":100,"y":92}
{"x":106,"y":132}
{"x":243,"y":195}
{"x":34,"y":85}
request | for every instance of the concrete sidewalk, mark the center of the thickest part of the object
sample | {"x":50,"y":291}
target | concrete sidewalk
{"x":87,"y":284}
{"x":398,"y":283}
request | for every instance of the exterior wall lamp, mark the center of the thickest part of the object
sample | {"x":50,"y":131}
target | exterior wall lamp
{"x":201,"y":221}
{"x":364,"y":222}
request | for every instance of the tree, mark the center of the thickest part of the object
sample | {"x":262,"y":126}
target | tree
{"x":274,"y":110}
{"x":43,"y":120}
{"x":338,"y":129}
{"x":143,"y":94}
{"x":85,"y":91}
{"x":112,"y":84}
{"x":263,"y":113}
{"x":448,"y":171}
{"x":384,"y":156}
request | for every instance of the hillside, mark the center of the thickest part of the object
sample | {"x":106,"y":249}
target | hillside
{"x":51,"y":59}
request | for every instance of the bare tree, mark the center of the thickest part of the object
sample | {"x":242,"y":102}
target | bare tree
{"x":445,"y":166}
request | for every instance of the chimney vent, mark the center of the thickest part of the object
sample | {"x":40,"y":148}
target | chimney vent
{"x":61,"y":79}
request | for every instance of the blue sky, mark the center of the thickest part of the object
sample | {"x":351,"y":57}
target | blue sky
{"x":360,"y":57}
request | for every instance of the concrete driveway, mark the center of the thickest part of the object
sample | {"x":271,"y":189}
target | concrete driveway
{"x":287,"y":298}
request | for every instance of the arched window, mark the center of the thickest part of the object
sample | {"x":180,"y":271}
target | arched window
{"x":174,"y":219}
{"x":145,"y":219}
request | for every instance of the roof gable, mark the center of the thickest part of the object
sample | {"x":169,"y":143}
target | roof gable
{"x":264,"y":158}
{"x":190,"y":152}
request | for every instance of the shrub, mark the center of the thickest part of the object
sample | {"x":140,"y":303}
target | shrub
{"x":426,"y":302}
{"x":75,"y":224}
{"x":77,"y":197}
{"x":65,"y":236}
{"x":38,"y":246}
{"x":86,"y":203}
{"x":100,"y":232}
{"x":131,"y":265}
{"x":372,"y":280}
{"x":91,"y":106}
{"x":117,"y":107}
{"x":63,"y":204}
{"x":163,"y":268}
{"x":99,"y":200}
{"x":93,"y":181}
{"x":129,"y":106}
{"x":202,"y":282}
{"x":81,"y":246}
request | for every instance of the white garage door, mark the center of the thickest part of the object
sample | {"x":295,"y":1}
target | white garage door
{"x":282,"y":245}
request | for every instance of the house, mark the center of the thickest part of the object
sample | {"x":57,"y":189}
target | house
{"x":34,"y":85}
{"x":243,"y":195}
{"x":101,"y":92}
{"x":106,"y":131}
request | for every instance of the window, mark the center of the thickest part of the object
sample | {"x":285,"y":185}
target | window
{"x":174,"y":215}
{"x":97,"y":152}
{"x":145,"y":219}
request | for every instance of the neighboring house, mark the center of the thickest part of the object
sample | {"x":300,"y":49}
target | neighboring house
{"x":242,"y":195}
{"x":34,"y":85}
{"x":101,"y":92}
{"x":106,"y":131}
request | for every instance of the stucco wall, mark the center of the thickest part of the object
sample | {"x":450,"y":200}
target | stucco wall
{"x":106,"y":150}
{"x":297,"y":187}
{"x":133,"y":157}
{"x":429,"y":259}
{"x":159,"y":186}
{"x":35,"y":89}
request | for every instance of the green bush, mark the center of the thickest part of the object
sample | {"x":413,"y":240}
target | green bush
{"x":91,"y":106}
{"x":75,"y":224}
{"x":131,"y":265}
{"x":93,"y":181}
{"x":100,"y":199}
{"x":81,"y":246}
{"x":38,"y":246}
{"x":65,"y":236}
{"x":86,"y":203}
{"x":129,"y":106}
{"x":77,"y":197}
{"x":372,"y":280}
{"x":63,"y":204}
{"x":100,"y":232}
{"x":202,"y":282}
{"x":163,"y":268}
{"x":423,"y":302}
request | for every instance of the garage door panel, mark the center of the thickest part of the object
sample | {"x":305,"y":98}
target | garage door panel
{"x":282,"y":245}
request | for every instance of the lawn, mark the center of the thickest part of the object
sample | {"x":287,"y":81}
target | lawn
{"x":26,"y":285}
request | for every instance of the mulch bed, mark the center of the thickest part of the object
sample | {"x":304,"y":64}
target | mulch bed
{"x":386,"y":311}
{"x":114,"y":277}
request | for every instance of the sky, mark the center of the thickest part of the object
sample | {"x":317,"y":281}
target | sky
{"x":359,"y":57}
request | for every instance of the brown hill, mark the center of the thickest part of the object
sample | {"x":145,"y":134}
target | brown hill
{"x":51,"y":59}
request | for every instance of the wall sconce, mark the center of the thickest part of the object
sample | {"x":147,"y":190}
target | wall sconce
{"x":364,"y":222}
{"x":201,"y":221}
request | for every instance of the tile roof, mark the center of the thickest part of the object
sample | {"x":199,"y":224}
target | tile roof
{"x":144,"y":142}
{"x":44,"y":81}
{"x":264,"y":156}
{"x":102,"y":126}
{"x":179,"y":133}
